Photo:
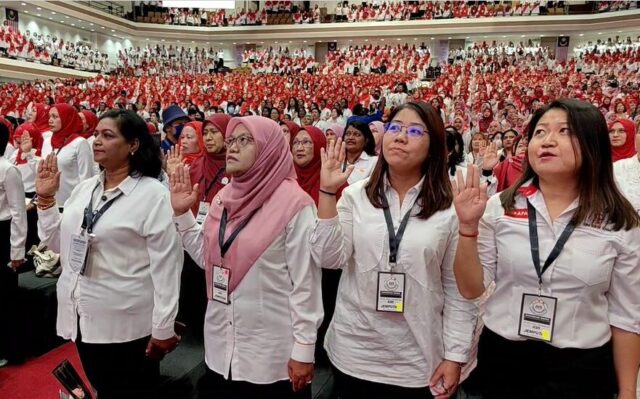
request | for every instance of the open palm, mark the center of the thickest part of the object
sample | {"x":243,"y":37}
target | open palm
{"x":469,"y":197}
{"x":48,"y":177}
{"x":332,"y":177}
{"x":174,"y":158}
{"x":490,"y":157}
{"x":26,"y":144}
{"x":183,"y":195}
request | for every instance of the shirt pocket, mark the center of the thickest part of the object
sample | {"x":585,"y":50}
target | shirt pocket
{"x":369,"y":246}
{"x":592,"y":263}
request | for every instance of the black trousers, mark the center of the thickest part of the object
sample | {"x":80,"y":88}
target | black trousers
{"x":537,"y":370}
{"x":120,"y":370}
{"x":8,"y":298}
{"x":349,"y":387}
{"x":192,"y":305}
{"x":212,"y":385}
{"x":330,"y":281}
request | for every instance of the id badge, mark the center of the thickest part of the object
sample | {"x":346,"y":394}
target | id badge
{"x":391,"y":292}
{"x":220,"y":284}
{"x":537,"y":317}
{"x":78,"y":252}
{"x":203,"y":211}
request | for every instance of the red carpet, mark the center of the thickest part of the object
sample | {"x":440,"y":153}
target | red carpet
{"x":33,"y":379}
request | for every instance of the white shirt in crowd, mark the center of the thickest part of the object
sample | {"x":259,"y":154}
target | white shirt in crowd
{"x":627,"y":174}
{"x":75,"y":163}
{"x":274,"y":312}
{"x":363,"y":167}
{"x":12,"y":207}
{"x":27,"y":172}
{"x":437,"y":323}
{"x":131,"y":284}
{"x":596,"y":277}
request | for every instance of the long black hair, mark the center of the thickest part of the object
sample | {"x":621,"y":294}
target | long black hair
{"x":456,"y":156}
{"x":369,"y":141}
{"x":146,"y":161}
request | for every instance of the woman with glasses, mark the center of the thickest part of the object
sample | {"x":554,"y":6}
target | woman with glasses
{"x":400,"y":328}
{"x":264,"y":300}
{"x":360,"y":147}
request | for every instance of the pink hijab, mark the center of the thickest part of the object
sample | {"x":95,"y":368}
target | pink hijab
{"x":337,"y":129}
{"x":265,"y":188}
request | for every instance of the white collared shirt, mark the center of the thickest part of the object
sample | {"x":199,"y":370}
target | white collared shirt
{"x":274,"y":312}
{"x":131,"y":284}
{"x":596,"y":277}
{"x":627,"y":174}
{"x":12,"y":207}
{"x":27,"y":173}
{"x":75,"y":163}
{"x":362,"y":167}
{"x":437,"y":323}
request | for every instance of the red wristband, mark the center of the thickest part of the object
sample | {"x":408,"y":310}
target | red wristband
{"x":475,"y":235}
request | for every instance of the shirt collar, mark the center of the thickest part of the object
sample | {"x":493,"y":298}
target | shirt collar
{"x":531,"y":192}
{"x":416,"y":188}
{"x":125,"y":187}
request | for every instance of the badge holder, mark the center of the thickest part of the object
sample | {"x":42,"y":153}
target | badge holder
{"x":220,"y":284}
{"x":391,"y":292}
{"x":537,"y":317}
{"x":203,"y":211}
{"x":79,"y":251}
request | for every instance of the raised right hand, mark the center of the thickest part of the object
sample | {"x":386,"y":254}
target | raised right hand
{"x":48,"y":177}
{"x":469,"y":198}
{"x":26,"y":144}
{"x":490,"y":157}
{"x":174,"y":158}
{"x":183,"y":195}
{"x":331,"y":175}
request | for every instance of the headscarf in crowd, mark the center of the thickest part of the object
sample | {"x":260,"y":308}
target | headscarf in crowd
{"x":189,"y":158}
{"x":627,"y":150}
{"x":36,"y":140}
{"x":70,"y":129}
{"x":268,"y":193}
{"x":92,"y":122}
{"x":209,"y":170}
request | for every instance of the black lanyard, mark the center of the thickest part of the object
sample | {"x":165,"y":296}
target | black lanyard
{"x":394,"y":238}
{"x":91,"y":217}
{"x":224,"y":246}
{"x":210,"y":186}
{"x":535,"y":245}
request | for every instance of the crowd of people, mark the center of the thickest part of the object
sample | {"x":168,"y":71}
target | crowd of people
{"x":511,"y":177}
{"x":166,"y":62}
{"x":51,"y":50}
{"x":279,"y":61}
{"x":369,"y":11}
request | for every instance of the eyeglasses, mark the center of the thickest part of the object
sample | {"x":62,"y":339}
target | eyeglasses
{"x":303,"y":143}
{"x":412,"y":130}
{"x":242,"y":141}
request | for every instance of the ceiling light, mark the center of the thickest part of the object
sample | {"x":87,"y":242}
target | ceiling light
{"x":582,"y":34}
{"x":93,"y":30}
{"x":263,"y":42}
{"x":485,"y":37}
{"x":38,"y":8}
{"x":91,"y":24}
{"x":73,"y":24}
{"x":162,"y":40}
{"x":319,"y":41}
{"x":504,"y":36}
{"x":113,"y":30}
{"x":522,"y":35}
{"x":599,"y":33}
{"x":26,"y":12}
{"x":66,"y":16}
{"x":221,"y":43}
{"x":382,"y":40}
{"x":178,"y":41}
{"x":147,"y":39}
{"x":192,"y":41}
{"x":247,"y":43}
{"x":290,"y":42}
{"x":61,"y":21}
{"x":431,"y":38}
{"x":102,"y":27}
{"x":398,"y":39}
{"x":366,"y":40}
{"x":39,"y":15}
{"x":233,"y":43}
{"x":449,"y":38}
{"x":274,"y":42}
{"x":467,"y":37}
{"x":53,"y":13}
{"x":415,"y":38}
{"x":304,"y":41}
{"x":619,"y":31}
{"x":50,"y":18}
{"x":24,"y":4}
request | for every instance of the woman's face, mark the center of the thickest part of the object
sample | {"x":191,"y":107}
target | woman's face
{"x":553,"y":150}
{"x":458,"y":123}
{"x":189,"y":140}
{"x":110,"y":148}
{"x":306,"y":121}
{"x":85,"y":125}
{"x":402,"y":151}
{"x":286,"y":132}
{"x":241,"y":151}
{"x":477,"y":142}
{"x":334,"y":113}
{"x":620,"y":108}
{"x":275,"y":115}
{"x":330,"y":135}
{"x":617,"y":135}
{"x":213,"y":139}
{"x":33,"y":114}
{"x":521,"y":149}
{"x":486,"y":113}
{"x":55,"y":123}
{"x":377,"y":136}
{"x":354,"y":140}
{"x":266,"y":113}
{"x":493,"y":127}
{"x":497,"y":140}
{"x":507,"y":140}
{"x":302,"y":148}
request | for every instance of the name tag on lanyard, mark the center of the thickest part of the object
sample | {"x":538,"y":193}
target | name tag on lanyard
{"x":79,"y":251}
{"x":391,"y":292}
{"x":220,"y":284}
{"x":203,"y":211}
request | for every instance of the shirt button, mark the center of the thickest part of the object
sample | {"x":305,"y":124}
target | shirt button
{"x":230,"y":323}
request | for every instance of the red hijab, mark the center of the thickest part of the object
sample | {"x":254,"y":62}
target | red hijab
{"x":628,"y":150}
{"x":509,"y":171}
{"x":42,"y":117}
{"x":309,"y":175}
{"x":208,"y":170}
{"x":92,"y":122}
{"x":36,"y":140}
{"x":293,"y":128}
{"x":189,"y":158}
{"x":71,"y":126}
{"x":484,"y":123}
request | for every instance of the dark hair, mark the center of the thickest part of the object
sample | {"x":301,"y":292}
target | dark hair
{"x":146,"y":161}
{"x":436,"y":193}
{"x":455,"y":158}
{"x":369,"y":141}
{"x":599,"y":194}
{"x":4,"y":138}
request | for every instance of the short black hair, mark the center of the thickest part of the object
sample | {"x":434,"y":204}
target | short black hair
{"x":4,"y":138}
{"x":369,"y":141}
{"x":147,"y":160}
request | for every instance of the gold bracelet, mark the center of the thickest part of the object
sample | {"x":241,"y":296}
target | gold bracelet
{"x":45,"y":206}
